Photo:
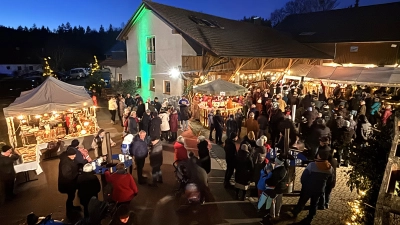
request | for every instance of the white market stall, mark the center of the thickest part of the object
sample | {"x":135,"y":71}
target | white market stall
{"x":54,"y":111}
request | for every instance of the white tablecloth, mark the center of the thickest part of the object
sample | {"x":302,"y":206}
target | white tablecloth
{"x":28,"y":166}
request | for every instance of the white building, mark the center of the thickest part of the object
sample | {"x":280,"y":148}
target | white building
{"x":18,"y":69}
{"x":160,"y":39}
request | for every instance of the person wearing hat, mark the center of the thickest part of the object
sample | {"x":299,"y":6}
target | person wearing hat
{"x":88,"y":186}
{"x":204,"y":147}
{"x":157,"y":104}
{"x":184,"y":112}
{"x":313,"y":180}
{"x":244,"y":170}
{"x":155,"y":126}
{"x":7,"y":172}
{"x":362,"y":109}
{"x":67,"y":177}
{"x":80,"y":160}
{"x":230,"y":155}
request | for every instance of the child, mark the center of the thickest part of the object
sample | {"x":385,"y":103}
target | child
{"x":84,"y":152}
{"x":265,"y":173}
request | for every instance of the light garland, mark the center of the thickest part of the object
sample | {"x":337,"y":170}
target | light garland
{"x":46,"y":69}
{"x":356,"y":210}
{"x":95,"y":66}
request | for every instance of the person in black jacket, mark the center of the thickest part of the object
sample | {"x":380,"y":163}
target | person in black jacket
{"x":156,"y":160}
{"x":346,"y":136}
{"x":231,"y":126}
{"x":88,"y":186}
{"x":219,"y":126}
{"x":244,"y":170}
{"x":79,"y":160}
{"x":129,"y":101}
{"x":145,"y":121}
{"x":139,"y":150}
{"x":67,"y":177}
{"x":132,"y":123}
{"x":141,"y":108}
{"x":7,"y":172}
{"x":155,"y":126}
{"x":230,"y":155}
{"x":157,"y":104}
{"x":262,"y":124}
{"x":204,"y":153}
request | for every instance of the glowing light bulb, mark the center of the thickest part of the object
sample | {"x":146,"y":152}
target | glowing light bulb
{"x":20,"y":117}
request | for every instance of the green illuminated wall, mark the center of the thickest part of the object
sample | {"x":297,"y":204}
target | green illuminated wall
{"x":143,"y":26}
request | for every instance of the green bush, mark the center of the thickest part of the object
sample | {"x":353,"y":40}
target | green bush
{"x":125,"y":87}
{"x":95,"y":81}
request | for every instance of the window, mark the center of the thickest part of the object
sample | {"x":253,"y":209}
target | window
{"x":30,"y":67}
{"x":139,"y":82}
{"x":19,"y":68}
{"x":167,"y":87}
{"x":120,"y":77}
{"x":152,"y":85}
{"x":151,"y":50}
{"x":8,"y":67}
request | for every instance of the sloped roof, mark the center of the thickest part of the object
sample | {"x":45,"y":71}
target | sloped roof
{"x":361,"y":24}
{"x":217,"y":86}
{"x":113,"y":62}
{"x":228,"y":38}
{"x":51,"y":95}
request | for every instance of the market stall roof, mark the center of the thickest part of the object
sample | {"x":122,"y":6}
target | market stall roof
{"x":389,"y":76}
{"x":217,"y":86}
{"x":51,"y":95}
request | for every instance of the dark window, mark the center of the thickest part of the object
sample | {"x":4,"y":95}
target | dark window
{"x":167,"y":87}
{"x":152,"y":85}
{"x":30,"y":67}
{"x":151,"y":50}
{"x":139,"y":82}
{"x":8,"y":67}
{"x":120,"y":77}
{"x":205,"y":22}
{"x":19,"y":68}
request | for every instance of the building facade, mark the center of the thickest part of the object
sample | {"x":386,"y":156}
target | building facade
{"x":18,"y":69}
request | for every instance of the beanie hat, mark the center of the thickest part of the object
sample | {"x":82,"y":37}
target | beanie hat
{"x":324,"y":155}
{"x":71,"y":151}
{"x":87,"y":168}
{"x":233,"y":135}
{"x":201,"y":138}
{"x":74,"y":143}
{"x":260,"y":142}
{"x":244,"y":147}
{"x":5,"y":148}
{"x":180,"y":139}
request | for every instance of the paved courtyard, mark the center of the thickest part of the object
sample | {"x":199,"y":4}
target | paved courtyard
{"x":341,"y":194}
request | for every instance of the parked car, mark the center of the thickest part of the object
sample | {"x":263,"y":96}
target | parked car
{"x":62,"y":76}
{"x":83,"y":71}
{"x":36,"y":80}
{"x":14,"y":87}
{"x":77,"y":73}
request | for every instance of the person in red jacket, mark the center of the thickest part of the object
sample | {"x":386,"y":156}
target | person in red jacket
{"x":124,"y":187}
{"x":180,"y":150}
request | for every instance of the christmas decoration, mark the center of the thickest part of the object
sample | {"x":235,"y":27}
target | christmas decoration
{"x":95,"y":66}
{"x":46,"y":68}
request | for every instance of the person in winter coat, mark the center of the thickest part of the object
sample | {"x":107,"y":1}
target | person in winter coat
{"x":156,"y":160}
{"x":88,"y":186}
{"x":258,"y":158}
{"x":324,"y":199}
{"x":279,"y":181}
{"x":133,"y":123}
{"x":387,"y":113}
{"x":313,"y":180}
{"x":281,"y":102}
{"x":276,"y":116}
{"x":145,"y":121}
{"x":141,"y":109}
{"x":155,"y":126}
{"x":363,"y":131}
{"x":375,"y":107}
{"x":219,"y":127}
{"x":252,"y":124}
{"x":239,"y":116}
{"x":157,"y":104}
{"x":180,"y":151}
{"x":346,"y":137}
{"x":67,"y":177}
{"x":112,"y":107}
{"x":126,"y":144}
{"x":124,"y":187}
{"x":262,"y":124}
{"x":362,"y":110}
{"x":139,"y":151}
{"x":265,"y":173}
{"x":231,"y":126}
{"x":164,"y":116}
{"x":184,"y":111}
{"x":230,"y":155}
{"x":99,"y":145}
{"x":210,"y":120}
{"x":7,"y":173}
{"x":125,"y":118}
{"x":244,"y":171}
{"x":318,"y":131}
{"x":204,"y":153}
{"x":121,"y":109}
{"x":250,"y":141}
{"x":129,"y":102}
{"x":173,"y":124}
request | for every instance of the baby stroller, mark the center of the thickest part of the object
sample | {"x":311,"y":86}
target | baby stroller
{"x":190,"y":189}
{"x":181,"y":176}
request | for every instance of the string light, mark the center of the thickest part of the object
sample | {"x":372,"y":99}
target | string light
{"x":47,"y":71}
{"x":95,"y":66}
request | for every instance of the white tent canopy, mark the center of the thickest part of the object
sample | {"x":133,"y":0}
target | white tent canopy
{"x":217,"y":86}
{"x":387,"y":76}
{"x":51,"y":95}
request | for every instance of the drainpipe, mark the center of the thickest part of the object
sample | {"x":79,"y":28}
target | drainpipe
{"x":334,"y":56}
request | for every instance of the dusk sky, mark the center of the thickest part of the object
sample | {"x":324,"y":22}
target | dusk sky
{"x":52,"y":13}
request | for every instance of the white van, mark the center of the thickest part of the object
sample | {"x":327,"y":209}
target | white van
{"x":78,"y":73}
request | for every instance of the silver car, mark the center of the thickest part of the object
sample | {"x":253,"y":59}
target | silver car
{"x":77,"y":73}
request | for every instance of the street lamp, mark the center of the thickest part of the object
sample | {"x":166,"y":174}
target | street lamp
{"x":174,"y":72}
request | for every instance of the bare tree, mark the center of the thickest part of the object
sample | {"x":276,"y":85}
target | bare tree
{"x":57,"y":50}
{"x":301,"y":6}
